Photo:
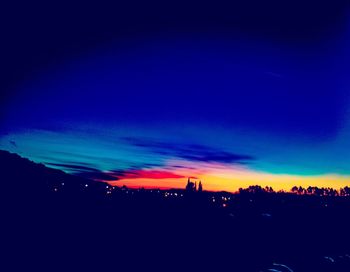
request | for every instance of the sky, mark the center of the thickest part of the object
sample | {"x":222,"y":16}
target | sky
{"x":233,"y":95}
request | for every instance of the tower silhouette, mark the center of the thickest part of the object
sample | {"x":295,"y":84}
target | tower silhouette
{"x":200,"y":187}
{"x":191,"y":186}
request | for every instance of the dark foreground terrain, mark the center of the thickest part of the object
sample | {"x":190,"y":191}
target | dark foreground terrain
{"x":52,"y":221}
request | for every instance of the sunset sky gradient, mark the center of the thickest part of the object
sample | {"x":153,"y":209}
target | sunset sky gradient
{"x":230,"y":107}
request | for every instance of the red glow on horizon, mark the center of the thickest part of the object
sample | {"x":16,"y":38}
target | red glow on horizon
{"x":149,"y":174}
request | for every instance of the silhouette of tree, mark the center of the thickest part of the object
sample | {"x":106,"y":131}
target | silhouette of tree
{"x":294,"y":189}
{"x":301,"y":190}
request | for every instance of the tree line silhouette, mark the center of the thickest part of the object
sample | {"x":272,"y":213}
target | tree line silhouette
{"x":299,"y":190}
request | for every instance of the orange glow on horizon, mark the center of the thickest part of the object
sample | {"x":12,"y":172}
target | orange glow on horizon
{"x":231,"y":182}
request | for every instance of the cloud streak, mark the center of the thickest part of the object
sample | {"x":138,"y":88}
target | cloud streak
{"x":149,"y":174}
{"x":146,"y":170}
{"x":189,"y":152}
{"x":85,"y":171}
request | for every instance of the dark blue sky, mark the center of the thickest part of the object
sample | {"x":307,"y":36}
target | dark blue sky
{"x":265,"y":81}
{"x":208,"y":79}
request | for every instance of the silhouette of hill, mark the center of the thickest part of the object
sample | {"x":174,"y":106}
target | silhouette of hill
{"x":21,"y":177}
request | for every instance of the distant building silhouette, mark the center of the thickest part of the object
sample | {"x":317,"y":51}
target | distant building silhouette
{"x":200,"y":187}
{"x":192,"y":186}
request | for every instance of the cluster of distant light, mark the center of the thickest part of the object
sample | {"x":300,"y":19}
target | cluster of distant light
{"x":221,"y":199}
{"x":215,"y":197}
{"x":322,"y":191}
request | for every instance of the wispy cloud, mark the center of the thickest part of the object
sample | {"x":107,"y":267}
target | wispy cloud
{"x":84,"y":171}
{"x":190,"y":152}
{"x":149,"y":174}
{"x":13,"y":143}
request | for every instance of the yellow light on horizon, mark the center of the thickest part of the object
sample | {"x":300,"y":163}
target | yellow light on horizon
{"x":231,"y":181}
